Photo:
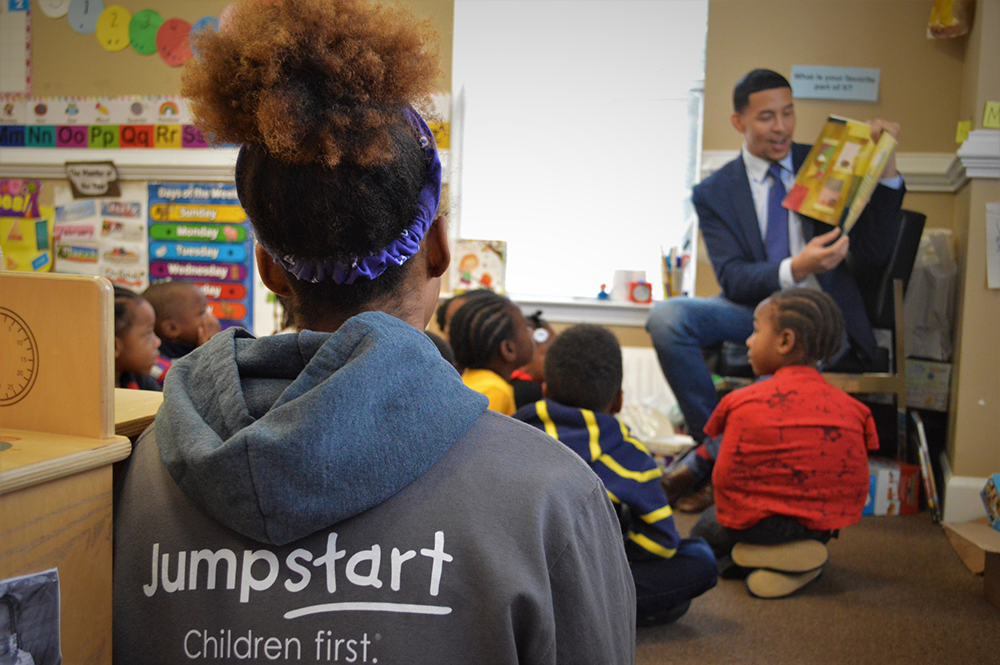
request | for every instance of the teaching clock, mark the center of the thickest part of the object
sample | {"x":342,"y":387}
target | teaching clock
{"x":18,"y":358}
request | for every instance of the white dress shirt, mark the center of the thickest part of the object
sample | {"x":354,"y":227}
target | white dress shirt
{"x":760,"y":187}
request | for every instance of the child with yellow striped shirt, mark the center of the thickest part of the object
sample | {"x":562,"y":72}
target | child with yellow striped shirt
{"x":583,"y":378}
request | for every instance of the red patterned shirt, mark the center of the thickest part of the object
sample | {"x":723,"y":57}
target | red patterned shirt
{"x":791,"y":445}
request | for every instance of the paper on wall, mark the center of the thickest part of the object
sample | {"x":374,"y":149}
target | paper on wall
{"x":993,"y":245}
{"x":104,"y":236}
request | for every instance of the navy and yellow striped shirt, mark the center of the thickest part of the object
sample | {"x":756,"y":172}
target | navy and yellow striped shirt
{"x":623,"y":464}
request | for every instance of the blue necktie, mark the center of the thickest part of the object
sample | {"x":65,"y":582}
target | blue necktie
{"x":777,"y":218}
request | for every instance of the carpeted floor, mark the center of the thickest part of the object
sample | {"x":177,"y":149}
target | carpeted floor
{"x":894,"y":591}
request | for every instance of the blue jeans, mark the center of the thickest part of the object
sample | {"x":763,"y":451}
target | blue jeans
{"x":663,"y":584}
{"x":679,"y":328}
{"x":701,"y":467}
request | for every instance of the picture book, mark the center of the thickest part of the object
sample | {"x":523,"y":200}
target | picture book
{"x":841,"y":172}
{"x":478,"y":264}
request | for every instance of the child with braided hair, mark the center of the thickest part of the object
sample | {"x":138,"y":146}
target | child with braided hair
{"x":136,"y":343}
{"x":490,"y":338}
{"x":792,"y":466}
{"x":448,"y":307}
{"x":527,"y":380}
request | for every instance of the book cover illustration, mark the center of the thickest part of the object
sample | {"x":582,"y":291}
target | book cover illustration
{"x":840,"y":173}
{"x":478,"y":264}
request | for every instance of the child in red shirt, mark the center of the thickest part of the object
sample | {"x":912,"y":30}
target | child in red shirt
{"x":793,"y":463}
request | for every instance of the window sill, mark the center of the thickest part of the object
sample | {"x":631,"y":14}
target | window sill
{"x":584,"y":310}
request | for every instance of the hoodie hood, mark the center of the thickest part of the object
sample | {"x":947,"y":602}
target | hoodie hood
{"x":279,"y":437}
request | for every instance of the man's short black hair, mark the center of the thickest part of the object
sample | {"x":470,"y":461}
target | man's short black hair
{"x":755,"y":81}
{"x":583,"y":368}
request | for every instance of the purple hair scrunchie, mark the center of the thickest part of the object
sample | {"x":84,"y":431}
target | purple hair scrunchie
{"x":401,"y":248}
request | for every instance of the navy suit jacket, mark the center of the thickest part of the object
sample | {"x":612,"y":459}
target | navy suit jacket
{"x":728,"y":222}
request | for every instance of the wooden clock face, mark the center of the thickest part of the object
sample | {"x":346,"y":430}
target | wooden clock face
{"x":18,"y":358}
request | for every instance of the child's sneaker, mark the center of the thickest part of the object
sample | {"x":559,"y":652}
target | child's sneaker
{"x":773,"y":584}
{"x":797,"y":556}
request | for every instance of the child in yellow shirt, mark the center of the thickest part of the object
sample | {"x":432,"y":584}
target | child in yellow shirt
{"x":491,"y":338}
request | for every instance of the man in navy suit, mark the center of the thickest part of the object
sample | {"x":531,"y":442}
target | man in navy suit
{"x":754,"y":257}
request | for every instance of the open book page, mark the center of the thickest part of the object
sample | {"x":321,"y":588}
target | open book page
{"x":884,"y":148}
{"x":840,"y":173}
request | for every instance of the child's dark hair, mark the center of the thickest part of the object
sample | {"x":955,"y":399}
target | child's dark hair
{"x":124,"y":312}
{"x":443,"y":347}
{"x":815,"y":319}
{"x":755,"y":81}
{"x":583,"y":368}
{"x":536,"y":320}
{"x":163,"y":296}
{"x":441,"y":314}
{"x":478,"y":328}
{"x":330,"y":169}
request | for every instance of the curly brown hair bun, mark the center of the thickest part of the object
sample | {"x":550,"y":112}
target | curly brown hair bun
{"x":312,"y":81}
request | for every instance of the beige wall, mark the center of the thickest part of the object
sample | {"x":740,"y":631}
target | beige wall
{"x":974,"y":430}
{"x":887,"y":34}
{"x":65,"y":63}
{"x":921,"y":79}
{"x":974,"y":427}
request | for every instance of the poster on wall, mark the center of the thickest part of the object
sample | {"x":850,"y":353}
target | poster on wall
{"x":198,"y":232}
{"x":478,"y":264}
{"x":25,"y":227}
{"x":97,"y":122}
{"x":15,"y":48}
{"x":103,"y":236}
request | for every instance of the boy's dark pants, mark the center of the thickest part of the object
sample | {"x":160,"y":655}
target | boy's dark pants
{"x":771,"y":530}
{"x":663,"y":584}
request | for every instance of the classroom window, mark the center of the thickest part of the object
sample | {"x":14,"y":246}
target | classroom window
{"x":579,"y":128}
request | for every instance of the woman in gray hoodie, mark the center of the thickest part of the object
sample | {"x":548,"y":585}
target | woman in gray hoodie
{"x":338,"y":495}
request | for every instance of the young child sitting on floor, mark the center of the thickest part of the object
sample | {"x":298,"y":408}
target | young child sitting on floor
{"x":491,"y":339}
{"x":583,"y":389}
{"x":793,"y":463}
{"x":183,"y":321}
{"x":136,"y":342}
{"x":527,"y":380}
{"x":448,"y":307}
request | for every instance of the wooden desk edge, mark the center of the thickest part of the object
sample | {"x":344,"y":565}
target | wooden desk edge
{"x":135,"y":410}
{"x":114,"y":450}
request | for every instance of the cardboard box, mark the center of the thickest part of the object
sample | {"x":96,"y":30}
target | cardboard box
{"x":893,"y":488}
{"x":979,"y":548}
{"x":991,"y":499}
{"x":927,"y":383}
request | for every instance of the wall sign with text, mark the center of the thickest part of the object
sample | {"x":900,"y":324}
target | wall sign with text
{"x":198,"y":232}
{"x":854,"y":84}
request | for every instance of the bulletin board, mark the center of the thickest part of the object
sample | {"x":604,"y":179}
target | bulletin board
{"x":90,"y":102}
{"x":68,"y":64}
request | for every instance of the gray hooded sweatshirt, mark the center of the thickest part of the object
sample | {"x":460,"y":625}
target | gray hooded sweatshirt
{"x":343,"y":498}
